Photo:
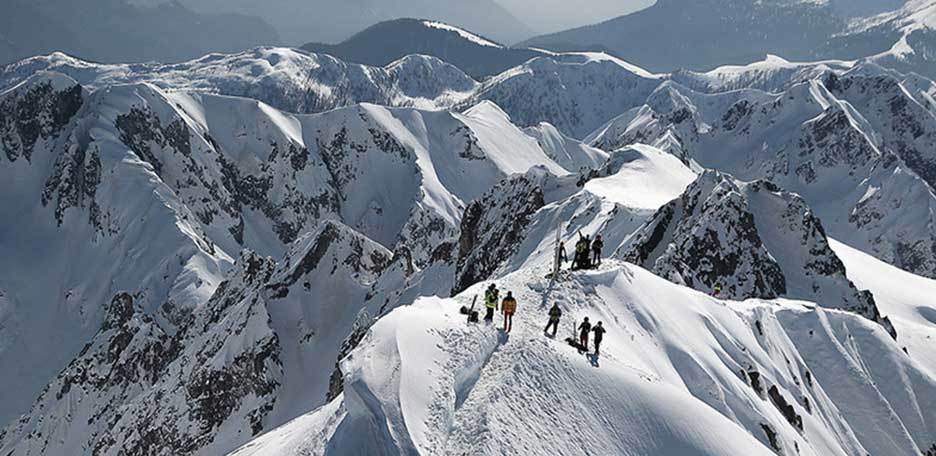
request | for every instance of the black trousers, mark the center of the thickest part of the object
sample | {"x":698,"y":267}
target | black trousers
{"x":597,"y":346}
{"x":554,"y":324}
{"x":490,"y":314}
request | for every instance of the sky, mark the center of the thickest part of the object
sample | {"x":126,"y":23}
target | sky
{"x":545,"y":16}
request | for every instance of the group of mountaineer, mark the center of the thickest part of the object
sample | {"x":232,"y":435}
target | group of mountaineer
{"x":587,"y":252}
{"x":587,"y":256}
{"x":508,"y":307}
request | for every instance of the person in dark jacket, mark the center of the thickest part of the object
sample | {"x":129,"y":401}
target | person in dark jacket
{"x":562,"y":254}
{"x":599,"y":335}
{"x":597,"y":245}
{"x":555,"y":313}
{"x":584,"y":329}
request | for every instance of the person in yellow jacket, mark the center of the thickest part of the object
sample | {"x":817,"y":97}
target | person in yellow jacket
{"x":510,"y":308}
{"x":490,"y":301}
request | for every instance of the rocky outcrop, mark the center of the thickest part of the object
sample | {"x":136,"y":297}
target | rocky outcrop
{"x":37,"y":110}
{"x":708,"y":237}
{"x":752,"y":239}
{"x":494,"y":226}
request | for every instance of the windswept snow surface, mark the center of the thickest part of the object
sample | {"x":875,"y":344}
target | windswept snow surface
{"x":646,"y":178}
{"x":909,"y":300}
{"x":674,"y":377}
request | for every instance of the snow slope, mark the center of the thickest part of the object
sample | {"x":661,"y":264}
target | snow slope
{"x":333,"y":331}
{"x":574,"y":92}
{"x":674,"y":377}
{"x":907,"y":299}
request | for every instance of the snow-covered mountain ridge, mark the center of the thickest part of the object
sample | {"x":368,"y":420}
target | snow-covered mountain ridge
{"x":252,"y":270}
{"x":200,"y":177}
{"x":700,"y":376}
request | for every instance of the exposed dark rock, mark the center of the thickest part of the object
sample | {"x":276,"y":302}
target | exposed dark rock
{"x":493,"y":228}
{"x":39,"y":113}
{"x":755,"y":382}
{"x":712,"y":239}
{"x":785,"y":408}
{"x":771,"y":436}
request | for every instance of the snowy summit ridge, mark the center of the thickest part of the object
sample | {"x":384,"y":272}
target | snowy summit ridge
{"x":267,"y":253}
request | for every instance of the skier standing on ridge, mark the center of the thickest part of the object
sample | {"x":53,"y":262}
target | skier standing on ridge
{"x":554,"y":314}
{"x":510,"y":307}
{"x":490,"y":301}
{"x":597,"y":245}
{"x":584,"y":329}
{"x":599,"y":334}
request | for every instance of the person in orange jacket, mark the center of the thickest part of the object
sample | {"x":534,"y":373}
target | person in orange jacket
{"x":509,"y":306}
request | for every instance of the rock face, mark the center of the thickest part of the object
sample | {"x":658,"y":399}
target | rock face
{"x":753,"y":239}
{"x":709,"y":237}
{"x":216,"y":374}
{"x":494,"y":226}
{"x":35,"y":111}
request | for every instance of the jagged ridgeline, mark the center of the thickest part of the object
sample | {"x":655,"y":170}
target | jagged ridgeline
{"x":265,"y":253}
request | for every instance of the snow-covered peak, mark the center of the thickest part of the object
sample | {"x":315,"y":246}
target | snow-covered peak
{"x":462,"y":33}
{"x":574,"y":92}
{"x":285,"y":78}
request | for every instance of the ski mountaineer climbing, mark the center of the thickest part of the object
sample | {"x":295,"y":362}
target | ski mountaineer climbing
{"x":562,"y":254}
{"x":599,"y":334}
{"x":554,"y":314}
{"x":510,"y":307}
{"x":597,"y":245}
{"x":490,"y":301}
{"x":584,"y":329}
